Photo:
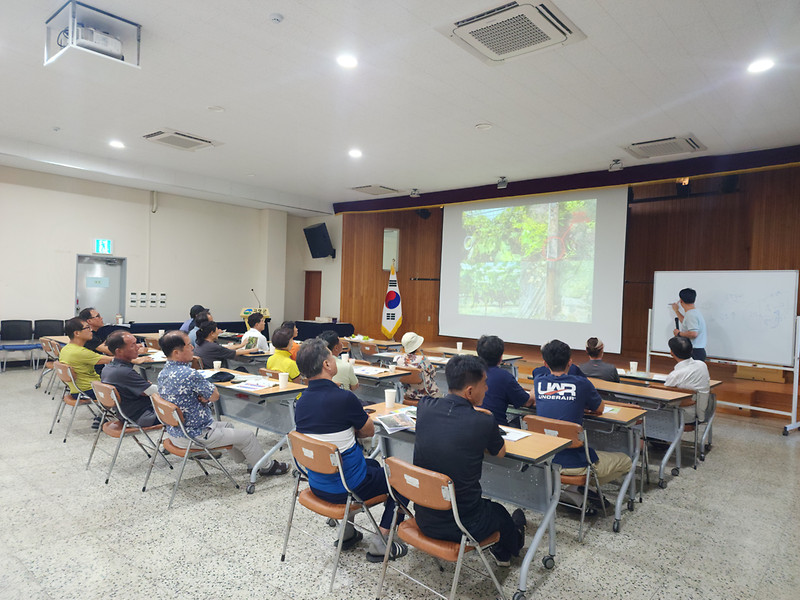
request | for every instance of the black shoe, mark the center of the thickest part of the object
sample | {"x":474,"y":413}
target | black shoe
{"x":500,"y":556}
{"x":518,"y":517}
{"x":96,"y":423}
{"x":352,"y":541}
{"x":596,"y":500}
{"x":399,"y":550}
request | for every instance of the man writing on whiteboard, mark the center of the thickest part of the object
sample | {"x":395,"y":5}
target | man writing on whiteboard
{"x":691,"y":323}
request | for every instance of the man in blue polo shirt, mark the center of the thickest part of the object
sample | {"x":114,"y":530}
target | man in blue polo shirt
{"x":330,"y":414}
{"x":502,"y":389}
{"x":562,"y":396}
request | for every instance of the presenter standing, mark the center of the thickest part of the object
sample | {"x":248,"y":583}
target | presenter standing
{"x":691,"y":323}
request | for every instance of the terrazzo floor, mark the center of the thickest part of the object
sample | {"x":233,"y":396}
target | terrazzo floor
{"x":729,"y":530}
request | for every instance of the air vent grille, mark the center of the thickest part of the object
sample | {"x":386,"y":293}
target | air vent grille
{"x":510,"y":35}
{"x":375,"y":190}
{"x":665,"y":147}
{"x":180,"y":140}
{"x":510,"y":30}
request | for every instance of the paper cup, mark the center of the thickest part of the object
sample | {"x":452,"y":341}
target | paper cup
{"x":345,"y":356}
{"x":283,"y":380}
{"x":160,"y":333}
{"x":352,"y":361}
{"x":217,"y":365}
{"x":634,"y":366}
{"x":459,"y":346}
{"x":392,"y":368}
{"x":391,"y":395}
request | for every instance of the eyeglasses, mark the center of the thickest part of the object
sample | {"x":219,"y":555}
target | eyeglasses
{"x":96,"y":317}
{"x":85,"y":328}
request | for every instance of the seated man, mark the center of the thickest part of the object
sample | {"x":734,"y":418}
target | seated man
{"x":330,"y":414}
{"x":134,"y":390}
{"x":451,"y":438}
{"x":502,"y":389}
{"x":208,"y":350}
{"x":689,"y":374}
{"x":180,"y":384}
{"x":345,"y":376}
{"x":188,"y":324}
{"x":563,"y":396}
{"x":282,"y":360}
{"x":543,"y":370}
{"x":596,"y":367}
{"x":294,"y":347}
{"x":202,"y":317}
{"x":254,"y":338}
{"x":81,"y":359}
{"x":95,"y":321}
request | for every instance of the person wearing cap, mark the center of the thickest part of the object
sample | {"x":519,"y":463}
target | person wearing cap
{"x":188,"y":324}
{"x":412,"y":357}
{"x":596,"y":367}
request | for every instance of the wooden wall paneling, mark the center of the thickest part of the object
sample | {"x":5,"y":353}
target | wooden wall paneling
{"x":364,"y":281}
{"x":705,"y":232}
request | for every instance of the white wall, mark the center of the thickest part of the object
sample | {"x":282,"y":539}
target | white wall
{"x":193,"y":250}
{"x":298,"y":261}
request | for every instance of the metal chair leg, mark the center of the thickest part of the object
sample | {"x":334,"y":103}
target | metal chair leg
{"x":388,"y":551}
{"x":96,"y":438}
{"x":460,"y":560}
{"x":342,"y":527}
{"x":291,"y":516}
{"x":153,"y":460}
{"x":116,"y":453}
{"x":72,"y":418}
{"x":180,"y":474}
{"x":585,"y":502}
{"x":59,"y":408}
{"x":485,"y":561}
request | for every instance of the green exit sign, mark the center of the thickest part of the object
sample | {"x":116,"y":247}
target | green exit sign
{"x":103,"y":247}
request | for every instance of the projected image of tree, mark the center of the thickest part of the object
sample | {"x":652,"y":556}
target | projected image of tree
{"x":529,"y":262}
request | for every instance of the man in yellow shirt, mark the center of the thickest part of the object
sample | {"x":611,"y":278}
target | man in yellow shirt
{"x":81,"y":359}
{"x":282,"y":359}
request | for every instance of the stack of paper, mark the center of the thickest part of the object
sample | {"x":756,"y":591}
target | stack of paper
{"x":254,"y":385}
{"x":513,"y":435}
{"x":396,"y":422}
{"x":361,"y":370}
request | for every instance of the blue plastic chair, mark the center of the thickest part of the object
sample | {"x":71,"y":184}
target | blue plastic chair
{"x":18,"y":331}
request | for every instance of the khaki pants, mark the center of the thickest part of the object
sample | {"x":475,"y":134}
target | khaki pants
{"x":221,"y":433}
{"x":609,"y":466}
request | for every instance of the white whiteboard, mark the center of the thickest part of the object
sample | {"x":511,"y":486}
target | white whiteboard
{"x":750,"y":315}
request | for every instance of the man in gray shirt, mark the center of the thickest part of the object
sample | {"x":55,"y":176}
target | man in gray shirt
{"x":596,"y":367}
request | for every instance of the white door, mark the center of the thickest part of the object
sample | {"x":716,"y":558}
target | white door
{"x":100,"y":283}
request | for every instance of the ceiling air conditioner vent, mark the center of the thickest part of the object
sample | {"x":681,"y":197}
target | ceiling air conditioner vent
{"x":375,"y":190}
{"x":665,"y":147}
{"x":180,"y":141}
{"x":511,"y":30}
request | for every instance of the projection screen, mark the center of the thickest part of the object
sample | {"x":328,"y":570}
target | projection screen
{"x":535,"y":268}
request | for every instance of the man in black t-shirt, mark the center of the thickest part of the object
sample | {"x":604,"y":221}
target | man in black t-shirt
{"x":451,"y":437}
{"x":134,"y":390}
{"x":95,"y":321}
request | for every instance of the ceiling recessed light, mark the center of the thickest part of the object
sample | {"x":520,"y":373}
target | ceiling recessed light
{"x":249,"y":174}
{"x":116,"y":144}
{"x":483,"y":126}
{"x":355,"y":153}
{"x":215,"y":108}
{"x":761,"y":65}
{"x":347,"y":61}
